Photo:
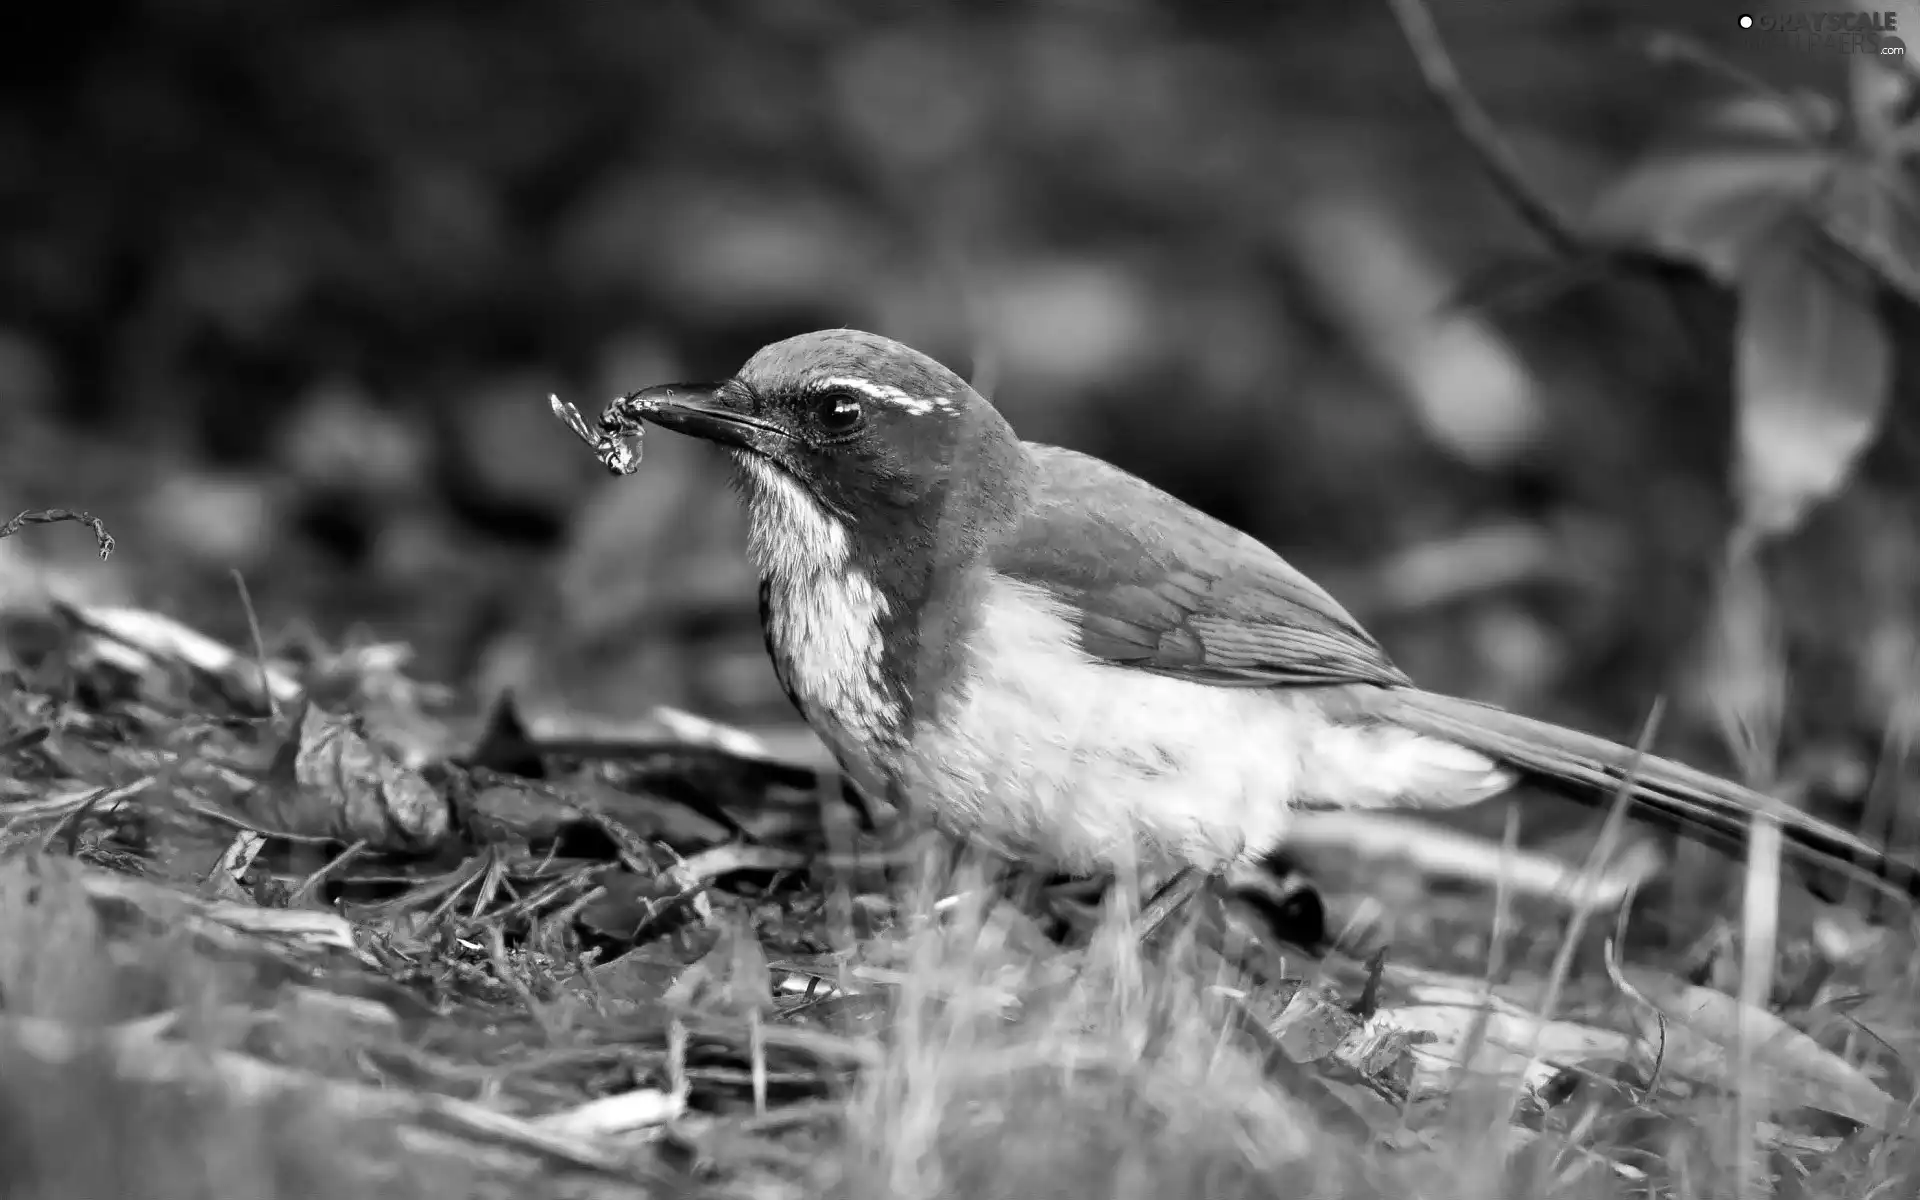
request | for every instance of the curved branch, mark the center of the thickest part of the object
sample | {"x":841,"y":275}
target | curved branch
{"x":1474,"y":124}
{"x":48,"y":516}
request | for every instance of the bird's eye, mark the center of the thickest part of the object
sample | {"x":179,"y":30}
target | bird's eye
{"x":838,"y":412}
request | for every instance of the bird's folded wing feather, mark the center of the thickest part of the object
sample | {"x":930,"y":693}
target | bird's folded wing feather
{"x":1160,"y":586}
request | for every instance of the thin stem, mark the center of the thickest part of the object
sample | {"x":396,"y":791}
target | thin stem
{"x":1495,"y":155}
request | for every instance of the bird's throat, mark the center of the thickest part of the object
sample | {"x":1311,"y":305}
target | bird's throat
{"x":790,"y":534}
{"x":825,"y":616}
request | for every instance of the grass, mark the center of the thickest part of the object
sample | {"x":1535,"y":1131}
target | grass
{"x":1001,"y":1067}
{"x":1014,"y":1068}
{"x":166,"y":1032}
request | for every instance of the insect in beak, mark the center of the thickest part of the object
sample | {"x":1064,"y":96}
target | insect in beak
{"x":615,"y":439}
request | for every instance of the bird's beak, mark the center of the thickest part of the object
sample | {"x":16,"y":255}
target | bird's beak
{"x":702,"y":410}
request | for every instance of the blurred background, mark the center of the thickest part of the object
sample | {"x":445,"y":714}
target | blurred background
{"x":284,"y":287}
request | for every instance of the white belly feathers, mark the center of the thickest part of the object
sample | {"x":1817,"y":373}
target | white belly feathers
{"x":1090,"y":765}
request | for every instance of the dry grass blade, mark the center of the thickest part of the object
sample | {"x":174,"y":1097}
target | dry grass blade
{"x":137,"y":1055}
{"x":1008,"y":1072}
{"x":221,"y":920}
{"x":709,"y":865}
{"x":625,"y":1113}
{"x":96,"y":800}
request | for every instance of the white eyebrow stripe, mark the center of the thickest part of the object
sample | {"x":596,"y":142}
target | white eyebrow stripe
{"x":886,"y":393}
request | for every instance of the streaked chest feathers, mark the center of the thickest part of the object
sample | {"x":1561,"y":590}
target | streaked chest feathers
{"x":823,"y":617}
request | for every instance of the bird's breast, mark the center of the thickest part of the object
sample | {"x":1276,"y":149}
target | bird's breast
{"x":1046,"y":753}
{"x":824,"y":634}
{"x":1043,"y":753}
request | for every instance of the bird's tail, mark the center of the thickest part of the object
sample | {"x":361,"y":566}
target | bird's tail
{"x":1697,"y":804}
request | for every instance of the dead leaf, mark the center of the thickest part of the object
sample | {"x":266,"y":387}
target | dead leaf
{"x":1715,"y":192}
{"x":147,"y":640}
{"x":630,"y":904}
{"x":228,"y":879}
{"x":329,"y":780}
{"x":1467,"y":1029}
{"x":1380,"y":1049}
{"x":1703,"y":1042}
{"x":369,"y":678}
{"x":702,"y":731}
{"x":1313,"y":1024}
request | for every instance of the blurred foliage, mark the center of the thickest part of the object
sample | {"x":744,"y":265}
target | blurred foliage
{"x":284,"y":288}
{"x":1808,"y":210}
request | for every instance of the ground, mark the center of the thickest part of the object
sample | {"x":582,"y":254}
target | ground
{"x":261,"y":934}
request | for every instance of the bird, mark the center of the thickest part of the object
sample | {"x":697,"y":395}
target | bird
{"x":1072,"y":669}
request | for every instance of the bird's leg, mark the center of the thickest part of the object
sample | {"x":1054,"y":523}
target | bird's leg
{"x":1169,"y":899}
{"x":1220,"y":929}
{"x":1069,"y":905}
{"x":863,"y":808}
{"x":1283,"y":901}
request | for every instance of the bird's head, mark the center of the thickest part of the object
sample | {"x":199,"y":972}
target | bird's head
{"x":893,"y":452}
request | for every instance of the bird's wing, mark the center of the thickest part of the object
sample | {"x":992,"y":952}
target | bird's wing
{"x":1161,"y":586}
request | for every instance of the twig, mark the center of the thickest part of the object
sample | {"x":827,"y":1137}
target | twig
{"x":729,"y":857}
{"x":312,"y":882}
{"x":98,"y":800}
{"x":49,"y":516}
{"x":236,"y":822}
{"x":69,"y":825}
{"x":259,"y":644}
{"x":831,"y":1111}
{"x":16,"y":742}
{"x":1474,"y":124}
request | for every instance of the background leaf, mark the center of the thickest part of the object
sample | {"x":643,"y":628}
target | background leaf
{"x":1811,"y":376}
{"x":1880,"y":88}
{"x":1711,"y":194}
{"x":1871,"y":206}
